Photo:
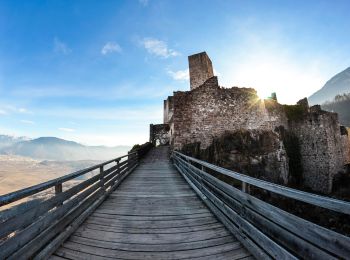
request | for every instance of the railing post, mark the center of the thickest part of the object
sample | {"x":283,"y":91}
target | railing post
{"x":58,"y":190}
{"x":244,"y":186}
{"x":128,"y":163}
{"x":118,"y":168}
{"x":137,"y":158}
{"x":102,"y":180}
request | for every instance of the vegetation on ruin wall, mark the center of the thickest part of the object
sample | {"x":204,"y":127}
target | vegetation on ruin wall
{"x":141,"y":149}
{"x":294,"y":112}
{"x":241,"y":151}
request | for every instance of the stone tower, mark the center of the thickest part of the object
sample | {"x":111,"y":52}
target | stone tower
{"x":200,"y":68}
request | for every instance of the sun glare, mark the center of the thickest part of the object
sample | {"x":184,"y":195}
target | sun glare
{"x":264,"y":93}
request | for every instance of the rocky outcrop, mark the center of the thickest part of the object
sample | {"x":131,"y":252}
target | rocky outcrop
{"x":257,"y":153}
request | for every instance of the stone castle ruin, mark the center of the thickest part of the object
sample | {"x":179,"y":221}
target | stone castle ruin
{"x":234,"y":128}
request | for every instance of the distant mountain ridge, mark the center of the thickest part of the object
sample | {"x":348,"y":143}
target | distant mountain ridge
{"x":337,"y":85}
{"x":8,"y":140}
{"x":53,"y":148}
{"x":341,"y":105}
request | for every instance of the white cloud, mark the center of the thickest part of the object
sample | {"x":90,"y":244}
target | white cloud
{"x":9,"y":109}
{"x":64,"y":129}
{"x":27,"y":122}
{"x":158,"y":48}
{"x":110,"y":47}
{"x":61,"y":47}
{"x":23,"y":110}
{"x":143,"y":2}
{"x":179,"y":75}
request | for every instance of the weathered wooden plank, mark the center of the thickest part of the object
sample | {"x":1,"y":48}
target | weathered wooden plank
{"x":154,"y":230}
{"x":153,"y":238}
{"x":55,"y":257}
{"x":147,"y":195}
{"x":151,"y":207}
{"x":240,"y":254}
{"x":150,"y":224}
{"x":76,"y":255}
{"x":176,"y":202}
{"x":150,"y":212}
{"x":153,"y":247}
{"x":321,"y":201}
{"x":152,"y":218}
{"x":180,"y":254}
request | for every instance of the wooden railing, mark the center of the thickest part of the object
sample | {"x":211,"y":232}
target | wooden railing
{"x":267,"y":231}
{"x":36,"y":231}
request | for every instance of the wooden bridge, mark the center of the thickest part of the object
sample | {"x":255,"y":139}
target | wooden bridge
{"x":178,"y":209}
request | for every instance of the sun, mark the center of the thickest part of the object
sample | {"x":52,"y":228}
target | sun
{"x":264,"y":93}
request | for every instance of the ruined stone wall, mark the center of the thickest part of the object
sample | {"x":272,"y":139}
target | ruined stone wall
{"x":168,"y":109}
{"x":306,"y":138}
{"x":159,"y":134}
{"x":209,"y":110}
{"x":200,"y":68}
{"x":320,"y":147}
{"x":345,"y":141}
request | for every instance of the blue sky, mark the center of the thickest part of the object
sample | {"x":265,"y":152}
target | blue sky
{"x":97,"y":71}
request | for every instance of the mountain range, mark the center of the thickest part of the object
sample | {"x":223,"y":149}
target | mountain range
{"x":334,"y":96}
{"x":337,"y":85}
{"x":52,"y":148}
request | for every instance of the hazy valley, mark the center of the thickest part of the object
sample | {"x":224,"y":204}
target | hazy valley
{"x":25,"y":162}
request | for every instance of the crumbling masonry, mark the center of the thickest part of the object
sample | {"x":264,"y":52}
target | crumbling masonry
{"x":200,"y":117}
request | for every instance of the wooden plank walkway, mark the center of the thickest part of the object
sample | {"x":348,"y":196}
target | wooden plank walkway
{"x":153,"y":214}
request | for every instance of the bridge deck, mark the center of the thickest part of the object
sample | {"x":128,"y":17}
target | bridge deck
{"x":153,"y":214}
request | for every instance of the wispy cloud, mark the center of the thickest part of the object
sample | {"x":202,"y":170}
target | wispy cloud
{"x":110,"y":47}
{"x":121,"y":114}
{"x":179,"y":75}
{"x":143,"y":2}
{"x":64,"y":129}
{"x":10,"y":109}
{"x":29,"y":122}
{"x":23,"y":110}
{"x":117,"y":92}
{"x":158,"y":48}
{"x":61,"y":47}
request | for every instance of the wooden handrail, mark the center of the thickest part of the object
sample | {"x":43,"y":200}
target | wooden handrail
{"x":20,"y":194}
{"x":27,"y":229}
{"x":310,"y":198}
{"x":266,"y":230}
